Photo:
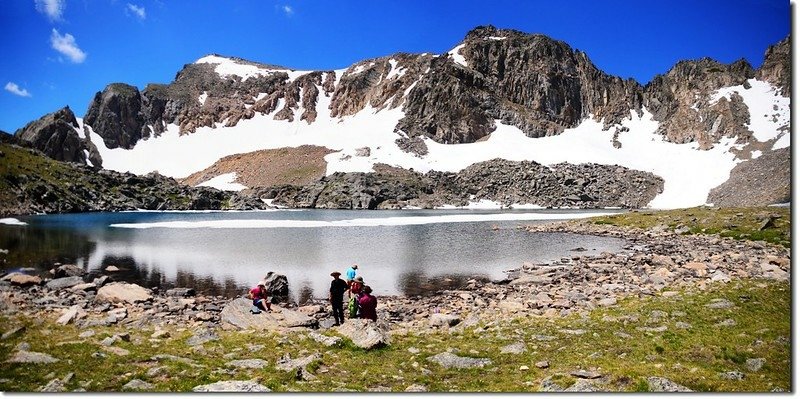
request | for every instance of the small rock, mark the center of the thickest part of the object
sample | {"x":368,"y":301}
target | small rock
{"x":55,"y":385}
{"x":727,"y":323}
{"x":248,"y":364}
{"x":324,"y":339}
{"x":416,"y":388}
{"x":73,"y":313}
{"x":585,"y":374}
{"x":449,"y":360}
{"x":117,"y":351}
{"x":86,"y":334}
{"x":607,"y":301}
{"x":755,"y":364}
{"x":160,"y":334}
{"x":138,"y":385}
{"x":443,"y":320}
{"x":582,"y":386}
{"x":156,"y":371}
{"x":108,"y":341}
{"x":720,"y":304}
{"x":12,"y":333}
{"x":202,"y":337}
{"x":524,"y":368}
{"x":732,"y":375}
{"x":542,"y":364}
{"x":682,"y":325}
{"x":111,"y":268}
{"x":660,"y":384}
{"x":515,"y":348}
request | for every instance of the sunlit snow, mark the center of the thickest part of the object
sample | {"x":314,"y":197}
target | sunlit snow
{"x":689,"y":173}
{"x":457,"y":57}
{"x":223,"y":182}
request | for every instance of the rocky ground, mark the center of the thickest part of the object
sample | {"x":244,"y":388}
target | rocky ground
{"x":578,"y":299}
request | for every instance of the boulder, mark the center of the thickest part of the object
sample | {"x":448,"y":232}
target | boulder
{"x":237,"y":313}
{"x":22,"y":279}
{"x":443,"y":320}
{"x":138,"y":385}
{"x":449,"y":360}
{"x":68,"y":271}
{"x":180,"y":292}
{"x":511,"y":306}
{"x":232,"y":386}
{"x":324,"y":339}
{"x":64,"y":282}
{"x":123,"y":292}
{"x":583,"y":386}
{"x":277,"y":286}
{"x":73,"y":313}
{"x":24,"y":356}
{"x":286,"y":363}
{"x":515,"y":348}
{"x":660,"y":384}
{"x":364,"y":333}
{"x":202,"y":337}
{"x":248,"y":364}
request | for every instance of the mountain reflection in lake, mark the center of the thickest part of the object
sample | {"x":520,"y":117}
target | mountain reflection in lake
{"x":410,"y":252}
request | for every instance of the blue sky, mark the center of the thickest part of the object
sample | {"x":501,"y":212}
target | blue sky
{"x":61,"y":52}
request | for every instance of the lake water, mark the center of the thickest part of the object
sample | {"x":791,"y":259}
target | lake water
{"x":223,"y":253}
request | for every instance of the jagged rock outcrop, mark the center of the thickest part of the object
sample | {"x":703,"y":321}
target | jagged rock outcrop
{"x":506,"y":182}
{"x":777,"y":66}
{"x":55,"y":135}
{"x":757,"y":182}
{"x":116,"y":115}
{"x":680,"y":98}
{"x":538,"y":84}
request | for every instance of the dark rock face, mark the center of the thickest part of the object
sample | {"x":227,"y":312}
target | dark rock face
{"x":777,"y":66}
{"x":757,"y":182}
{"x":679,"y":100}
{"x":533,"y":82}
{"x":55,"y":135}
{"x":116,"y":115}
{"x":538,"y":84}
{"x":506,"y":182}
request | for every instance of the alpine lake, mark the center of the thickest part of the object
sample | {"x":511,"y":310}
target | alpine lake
{"x":405,"y":252}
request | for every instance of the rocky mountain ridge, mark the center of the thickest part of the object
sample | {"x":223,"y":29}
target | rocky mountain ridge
{"x":534,"y":83}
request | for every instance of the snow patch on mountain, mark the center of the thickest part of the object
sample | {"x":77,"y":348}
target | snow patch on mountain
{"x":769,"y":111}
{"x":228,"y":67}
{"x":689,"y":173}
{"x":224,"y":182}
{"x":457,"y":57}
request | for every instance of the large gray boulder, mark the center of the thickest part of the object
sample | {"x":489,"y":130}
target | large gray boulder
{"x":64,"y":282}
{"x":31,"y":357}
{"x":123,"y":292}
{"x":449,"y":360}
{"x":56,"y":136}
{"x":443,"y":320}
{"x":237,"y":313}
{"x":364,"y":333}
{"x":277,"y":285}
{"x":232,"y":386}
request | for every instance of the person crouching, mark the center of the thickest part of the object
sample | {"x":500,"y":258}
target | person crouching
{"x":260,"y":297}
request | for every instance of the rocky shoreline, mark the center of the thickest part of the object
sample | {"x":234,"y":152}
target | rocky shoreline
{"x":659,"y":261}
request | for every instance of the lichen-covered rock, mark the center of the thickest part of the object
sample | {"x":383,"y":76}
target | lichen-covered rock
{"x":123,"y":292}
{"x":449,"y":360}
{"x":237,"y":313}
{"x":364,"y":333}
{"x":232,"y":386}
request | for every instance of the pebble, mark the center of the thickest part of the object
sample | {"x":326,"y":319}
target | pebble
{"x":542,"y":364}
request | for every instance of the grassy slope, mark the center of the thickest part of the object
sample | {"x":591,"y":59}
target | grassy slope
{"x":738,"y":223}
{"x":692,"y":357}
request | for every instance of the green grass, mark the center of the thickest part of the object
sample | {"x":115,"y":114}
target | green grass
{"x":738,"y":223}
{"x":692,"y":357}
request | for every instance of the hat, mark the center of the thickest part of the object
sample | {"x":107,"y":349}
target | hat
{"x":367,"y":289}
{"x":262,"y":283}
{"x":360,"y":279}
{"x":336,"y":274}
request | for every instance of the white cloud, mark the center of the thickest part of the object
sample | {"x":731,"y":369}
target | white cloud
{"x":138,"y":11}
{"x":66,"y":45}
{"x":287,"y":9}
{"x":52,"y":8}
{"x":12,"y":87}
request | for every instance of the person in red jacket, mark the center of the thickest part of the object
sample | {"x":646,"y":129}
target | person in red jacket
{"x":367,"y":304}
{"x":260,"y":297}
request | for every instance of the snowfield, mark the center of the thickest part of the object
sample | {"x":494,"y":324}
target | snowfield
{"x":689,"y":173}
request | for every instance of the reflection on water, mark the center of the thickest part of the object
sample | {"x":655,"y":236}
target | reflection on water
{"x":401,"y":259}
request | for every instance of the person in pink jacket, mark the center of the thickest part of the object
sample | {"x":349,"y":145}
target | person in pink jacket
{"x":367,"y":304}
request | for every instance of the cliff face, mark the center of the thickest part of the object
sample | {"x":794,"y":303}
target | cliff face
{"x":777,"y":66}
{"x":56,"y":136}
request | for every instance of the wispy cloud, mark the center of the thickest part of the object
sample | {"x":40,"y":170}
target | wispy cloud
{"x":67,"y":46}
{"x":13,"y":88}
{"x":52,"y":8}
{"x":138,"y":11}
{"x":287,"y":9}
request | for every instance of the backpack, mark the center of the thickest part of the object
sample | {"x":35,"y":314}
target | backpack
{"x":352,"y":307}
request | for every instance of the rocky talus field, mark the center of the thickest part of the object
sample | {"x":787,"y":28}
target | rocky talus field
{"x":698,"y":300}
